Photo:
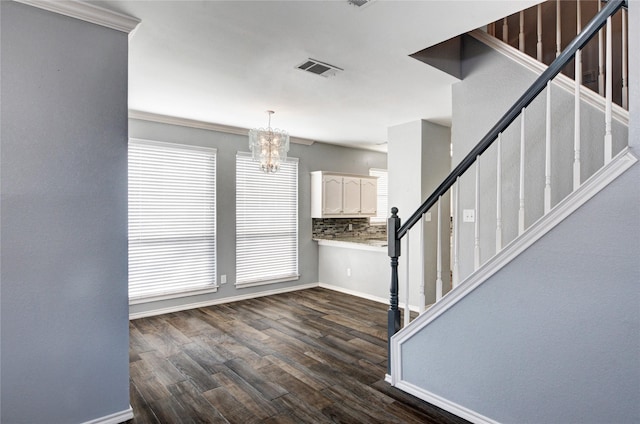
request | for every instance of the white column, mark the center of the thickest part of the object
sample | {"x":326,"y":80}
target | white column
{"x":547,"y":154}
{"x":499,"y":195}
{"x":600,"y":58}
{"x":625,"y":88}
{"x":521,"y":33}
{"x":476,"y":239}
{"x":558,"y":30}
{"x":407,"y":316}
{"x":423,"y":297}
{"x":521,"y":212}
{"x":439,"y":253}
{"x":608,"y":146}
{"x":576,"y":123}
{"x":456,"y":234}
{"x":539,"y":31}
{"x":505,"y":31}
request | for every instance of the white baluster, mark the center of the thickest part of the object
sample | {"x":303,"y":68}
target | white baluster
{"x":456,"y":234}
{"x":439,"y":253}
{"x":476,"y":239}
{"x":547,"y":154}
{"x":407,"y":316}
{"x":505,"y":31}
{"x":521,"y":211}
{"x":608,"y":145}
{"x":521,"y":33}
{"x":625,"y":88}
{"x":539,"y":27}
{"x":423,"y":297}
{"x":576,"y":124}
{"x":600,"y":58}
{"x":499,"y":195}
{"x":558,"y":29}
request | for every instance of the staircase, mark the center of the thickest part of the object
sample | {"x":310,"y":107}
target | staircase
{"x":542,"y":322}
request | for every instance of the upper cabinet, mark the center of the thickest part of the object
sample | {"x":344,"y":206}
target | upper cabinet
{"x":335,"y":195}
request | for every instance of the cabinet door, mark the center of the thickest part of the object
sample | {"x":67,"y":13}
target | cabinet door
{"x":331,"y":195}
{"x":351,"y":195}
{"x":368,"y":196}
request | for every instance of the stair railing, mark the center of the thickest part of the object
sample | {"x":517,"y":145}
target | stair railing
{"x":548,"y":17}
{"x":397,"y":231}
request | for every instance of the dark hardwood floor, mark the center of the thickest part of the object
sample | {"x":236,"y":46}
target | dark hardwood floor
{"x":311,"y":356}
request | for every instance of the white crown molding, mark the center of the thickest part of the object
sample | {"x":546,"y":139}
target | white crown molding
{"x":597,"y":182}
{"x":192,"y":123}
{"x":87,"y":12}
{"x":118,"y":417}
{"x":587,"y":95}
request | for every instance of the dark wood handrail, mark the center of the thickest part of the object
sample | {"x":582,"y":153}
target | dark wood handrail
{"x":536,"y":88}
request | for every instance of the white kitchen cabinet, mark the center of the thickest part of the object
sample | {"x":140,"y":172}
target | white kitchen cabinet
{"x":335,"y":195}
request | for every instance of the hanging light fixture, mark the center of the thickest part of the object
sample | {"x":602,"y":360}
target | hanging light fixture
{"x":269,"y":146}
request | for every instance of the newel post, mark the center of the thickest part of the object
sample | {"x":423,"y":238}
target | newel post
{"x":393,"y":246}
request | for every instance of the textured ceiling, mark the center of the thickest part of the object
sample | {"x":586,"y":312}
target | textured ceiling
{"x":227,"y":62}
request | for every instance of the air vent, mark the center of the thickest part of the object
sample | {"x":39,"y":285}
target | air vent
{"x":360,"y":3}
{"x":319,"y":68}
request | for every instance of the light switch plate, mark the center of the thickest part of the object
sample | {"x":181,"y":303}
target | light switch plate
{"x":223,"y":279}
{"x":469,"y":215}
{"x":427,"y":216}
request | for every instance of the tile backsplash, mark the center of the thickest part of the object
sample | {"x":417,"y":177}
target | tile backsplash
{"x":329,"y":228}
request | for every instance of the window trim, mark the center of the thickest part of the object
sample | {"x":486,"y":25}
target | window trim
{"x":379,"y":220}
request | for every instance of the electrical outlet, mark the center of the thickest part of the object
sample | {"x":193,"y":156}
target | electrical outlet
{"x":223,"y":279}
{"x":350,"y":227}
{"x":469,"y":215}
{"x":427,"y":216}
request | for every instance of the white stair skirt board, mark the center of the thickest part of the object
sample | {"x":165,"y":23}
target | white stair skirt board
{"x":118,"y":417}
{"x":598,"y":181}
{"x":562,"y":81}
{"x":440,"y":402}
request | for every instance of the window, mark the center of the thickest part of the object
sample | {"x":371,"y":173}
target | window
{"x":383,"y":207}
{"x":172,"y":220}
{"x":266,"y":223}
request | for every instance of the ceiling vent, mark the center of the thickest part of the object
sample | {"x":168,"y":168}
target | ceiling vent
{"x":319,"y":68}
{"x":360,"y":3}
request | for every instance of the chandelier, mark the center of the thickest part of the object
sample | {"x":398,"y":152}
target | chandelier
{"x":269,"y":146}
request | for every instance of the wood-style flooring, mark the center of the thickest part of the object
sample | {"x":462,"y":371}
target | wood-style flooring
{"x":310,"y":356}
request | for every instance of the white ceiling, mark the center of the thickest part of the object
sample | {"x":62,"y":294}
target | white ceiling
{"x":227,"y":62}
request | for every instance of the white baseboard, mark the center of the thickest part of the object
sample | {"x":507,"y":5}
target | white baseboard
{"x":211,"y":302}
{"x":413,"y":308}
{"x":445,"y":404}
{"x":116,"y":418}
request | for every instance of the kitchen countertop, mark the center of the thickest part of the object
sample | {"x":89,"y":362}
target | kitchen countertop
{"x":362,"y":243}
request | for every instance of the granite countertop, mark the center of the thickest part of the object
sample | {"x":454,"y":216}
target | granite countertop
{"x":358,"y":240}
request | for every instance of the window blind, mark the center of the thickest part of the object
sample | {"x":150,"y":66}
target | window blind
{"x":266,"y":222}
{"x":172,"y":219}
{"x":383,"y":207}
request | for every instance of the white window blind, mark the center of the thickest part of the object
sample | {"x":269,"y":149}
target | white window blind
{"x":383,"y":207}
{"x":172,"y":219}
{"x":266,"y":222}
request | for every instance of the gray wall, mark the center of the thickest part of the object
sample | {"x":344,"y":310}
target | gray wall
{"x":63,"y":218}
{"x":477,"y":107}
{"x":370,"y":271}
{"x":560,"y":325}
{"x":311,"y":158}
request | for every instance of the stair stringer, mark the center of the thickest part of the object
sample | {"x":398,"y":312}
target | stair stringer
{"x":595,"y":184}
